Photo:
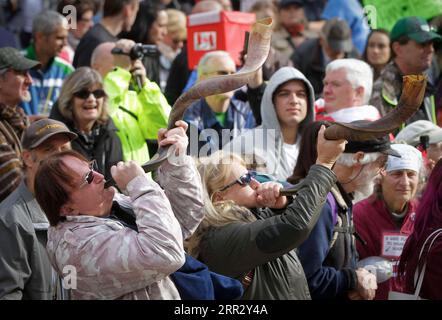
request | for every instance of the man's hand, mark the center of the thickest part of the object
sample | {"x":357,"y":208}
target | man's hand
{"x":366,"y":284}
{"x":122,"y":60}
{"x":328,"y":150}
{"x":138,"y":71}
{"x":175,"y":137}
{"x":268,"y":195}
{"x":124,"y":172}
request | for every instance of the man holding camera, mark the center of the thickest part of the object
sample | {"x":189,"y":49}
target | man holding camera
{"x":136,"y":104}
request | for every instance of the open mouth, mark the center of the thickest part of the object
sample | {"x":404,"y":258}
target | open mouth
{"x":90,"y":107}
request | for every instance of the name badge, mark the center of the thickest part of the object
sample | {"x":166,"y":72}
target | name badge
{"x":392,"y":244}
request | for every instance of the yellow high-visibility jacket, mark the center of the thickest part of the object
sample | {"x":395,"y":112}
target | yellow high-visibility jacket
{"x":137,"y":116}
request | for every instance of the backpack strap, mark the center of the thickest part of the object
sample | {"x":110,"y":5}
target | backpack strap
{"x":334,"y":207}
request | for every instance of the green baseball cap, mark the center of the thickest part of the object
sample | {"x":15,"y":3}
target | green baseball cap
{"x":414,"y":28}
{"x":12,"y":58}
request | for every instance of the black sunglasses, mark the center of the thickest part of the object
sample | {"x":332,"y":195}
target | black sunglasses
{"x":84,"y":94}
{"x":244,"y":180}
{"x":89,"y":177}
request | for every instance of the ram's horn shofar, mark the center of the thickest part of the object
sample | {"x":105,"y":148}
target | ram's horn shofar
{"x":411,"y":99}
{"x":257,"y":52}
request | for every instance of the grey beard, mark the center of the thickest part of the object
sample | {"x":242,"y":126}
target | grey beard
{"x":363,"y":192}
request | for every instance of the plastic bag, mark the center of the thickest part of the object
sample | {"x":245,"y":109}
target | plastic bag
{"x":381,"y":267}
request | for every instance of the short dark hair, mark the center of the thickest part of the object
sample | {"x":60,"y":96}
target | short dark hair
{"x":114,"y":7}
{"x":53,"y":182}
{"x":403,"y":40}
{"x":81,"y":6}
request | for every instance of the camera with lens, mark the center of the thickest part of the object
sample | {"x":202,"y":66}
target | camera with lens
{"x":139,"y":50}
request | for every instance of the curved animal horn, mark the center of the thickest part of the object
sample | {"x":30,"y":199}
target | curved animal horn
{"x":257,"y":52}
{"x":411,"y":99}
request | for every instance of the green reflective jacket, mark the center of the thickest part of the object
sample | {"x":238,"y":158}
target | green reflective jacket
{"x":138,"y":116}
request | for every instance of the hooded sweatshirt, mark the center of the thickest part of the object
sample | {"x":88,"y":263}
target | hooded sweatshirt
{"x":266,"y":141}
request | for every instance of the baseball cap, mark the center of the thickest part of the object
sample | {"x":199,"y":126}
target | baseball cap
{"x":337,"y":33}
{"x":415,"y":28}
{"x":411,"y":159}
{"x":381,"y":145}
{"x":41,"y":130}
{"x":285,"y":3}
{"x":12,"y":58}
{"x":411,"y":133}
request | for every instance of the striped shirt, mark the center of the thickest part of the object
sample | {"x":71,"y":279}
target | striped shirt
{"x":46,"y":85}
{"x":10,"y":151}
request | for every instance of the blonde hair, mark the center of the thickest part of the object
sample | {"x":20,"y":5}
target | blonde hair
{"x":215,"y":172}
{"x":176,"y":23}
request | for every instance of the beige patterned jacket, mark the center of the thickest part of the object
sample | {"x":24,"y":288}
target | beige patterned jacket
{"x":115,"y":262}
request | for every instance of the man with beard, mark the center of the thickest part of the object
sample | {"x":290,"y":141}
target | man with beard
{"x":14,"y":88}
{"x":329,"y":255}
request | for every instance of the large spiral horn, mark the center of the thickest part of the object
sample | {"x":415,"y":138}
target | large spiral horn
{"x":257,"y":52}
{"x":411,"y":99}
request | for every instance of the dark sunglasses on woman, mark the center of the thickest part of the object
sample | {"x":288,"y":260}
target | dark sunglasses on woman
{"x":242,"y":181}
{"x":84,"y":94}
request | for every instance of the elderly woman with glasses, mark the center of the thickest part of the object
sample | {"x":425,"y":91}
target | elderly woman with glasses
{"x":113,"y":246}
{"x":250,"y":232}
{"x":82,"y":106}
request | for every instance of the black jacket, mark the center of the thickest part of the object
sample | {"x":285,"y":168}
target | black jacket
{"x":309,"y":59}
{"x":102,"y":144}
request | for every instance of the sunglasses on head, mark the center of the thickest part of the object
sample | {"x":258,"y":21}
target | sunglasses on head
{"x":89,"y":177}
{"x":244,"y":180}
{"x":84,"y":94}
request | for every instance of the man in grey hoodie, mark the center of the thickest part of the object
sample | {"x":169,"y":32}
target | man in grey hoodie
{"x":287,"y":106}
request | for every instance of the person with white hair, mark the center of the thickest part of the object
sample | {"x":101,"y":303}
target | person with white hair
{"x":426,"y":136}
{"x":347,"y":89}
{"x":386,"y":218}
{"x":329,"y":255}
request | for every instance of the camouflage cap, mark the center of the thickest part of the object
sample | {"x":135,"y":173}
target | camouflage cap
{"x":12,"y":58}
{"x":41,"y":130}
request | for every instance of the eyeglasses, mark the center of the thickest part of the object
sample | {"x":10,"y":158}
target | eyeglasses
{"x":89,"y":177}
{"x":242,"y":181}
{"x":84,"y":94}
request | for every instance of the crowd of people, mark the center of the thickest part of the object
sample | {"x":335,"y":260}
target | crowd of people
{"x":82,"y":109}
